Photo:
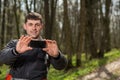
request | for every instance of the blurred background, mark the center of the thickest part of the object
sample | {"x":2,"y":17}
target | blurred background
{"x":89,"y":27}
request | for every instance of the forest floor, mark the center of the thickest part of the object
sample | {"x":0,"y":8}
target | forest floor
{"x":110,"y":71}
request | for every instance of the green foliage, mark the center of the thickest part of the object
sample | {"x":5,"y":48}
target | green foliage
{"x":87,"y":67}
{"x":4,"y":69}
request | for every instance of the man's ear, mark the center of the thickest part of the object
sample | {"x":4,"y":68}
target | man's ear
{"x":42,"y":25}
{"x":24,"y":27}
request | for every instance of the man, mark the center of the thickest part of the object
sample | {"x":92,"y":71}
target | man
{"x":26,"y":62}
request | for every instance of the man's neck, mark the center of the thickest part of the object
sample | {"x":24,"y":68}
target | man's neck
{"x":39,"y":38}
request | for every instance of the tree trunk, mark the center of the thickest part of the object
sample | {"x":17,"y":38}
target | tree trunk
{"x":27,"y":6}
{"x":3,"y":24}
{"x":53,"y":14}
{"x":16,"y":18}
{"x":9,"y":25}
{"x":50,"y":13}
{"x":0,"y":23}
{"x":105,"y":33}
{"x":90,"y":28}
{"x":48,"y":32}
{"x":67,"y":35}
{"x":81,"y":33}
{"x":34,"y":5}
{"x":102,"y":39}
{"x":107,"y":23}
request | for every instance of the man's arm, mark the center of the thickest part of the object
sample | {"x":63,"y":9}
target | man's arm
{"x":59,"y":62}
{"x":8,"y":55}
{"x":13,"y":49}
{"x":56,"y":57}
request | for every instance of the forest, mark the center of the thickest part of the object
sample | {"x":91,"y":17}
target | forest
{"x":89,"y":27}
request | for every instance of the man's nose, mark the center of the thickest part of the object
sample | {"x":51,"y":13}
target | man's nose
{"x":34,"y":26}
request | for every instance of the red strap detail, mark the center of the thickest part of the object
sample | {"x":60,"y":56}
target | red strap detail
{"x":8,"y":77}
{"x":44,"y":79}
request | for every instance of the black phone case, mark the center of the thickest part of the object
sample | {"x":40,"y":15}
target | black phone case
{"x":37,"y":44}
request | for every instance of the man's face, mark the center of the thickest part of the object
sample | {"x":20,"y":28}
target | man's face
{"x":33,"y":28}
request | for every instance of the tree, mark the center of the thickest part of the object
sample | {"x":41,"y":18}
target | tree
{"x":81,"y":33}
{"x":105,"y":33}
{"x":50,"y":13}
{"x":9,"y":23}
{"x":27,"y":6}
{"x":3,"y":24}
{"x":0,"y":20}
{"x":17,"y":16}
{"x":90,"y":25}
{"x":106,"y":23}
{"x":67,"y":36}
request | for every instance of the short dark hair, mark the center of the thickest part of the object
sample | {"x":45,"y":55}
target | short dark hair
{"x":33,"y":16}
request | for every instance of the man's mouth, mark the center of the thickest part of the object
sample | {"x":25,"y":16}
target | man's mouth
{"x":34,"y":32}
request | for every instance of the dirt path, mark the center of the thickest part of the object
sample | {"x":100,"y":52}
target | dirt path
{"x":109,"y":72}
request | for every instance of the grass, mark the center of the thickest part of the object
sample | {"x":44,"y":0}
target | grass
{"x":86,"y":68}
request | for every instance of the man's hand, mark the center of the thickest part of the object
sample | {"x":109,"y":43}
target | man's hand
{"x":51,"y":48}
{"x":22,"y":45}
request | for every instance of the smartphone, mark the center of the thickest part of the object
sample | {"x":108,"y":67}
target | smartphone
{"x":37,"y":44}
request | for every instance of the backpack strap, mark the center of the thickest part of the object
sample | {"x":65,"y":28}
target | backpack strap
{"x":47,"y":61}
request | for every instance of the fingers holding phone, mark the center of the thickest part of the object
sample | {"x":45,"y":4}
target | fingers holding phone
{"x":22,"y":44}
{"x":26,"y":43}
{"x":51,"y":48}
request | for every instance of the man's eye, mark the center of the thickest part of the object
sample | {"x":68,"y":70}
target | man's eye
{"x":30,"y":24}
{"x":37,"y":24}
